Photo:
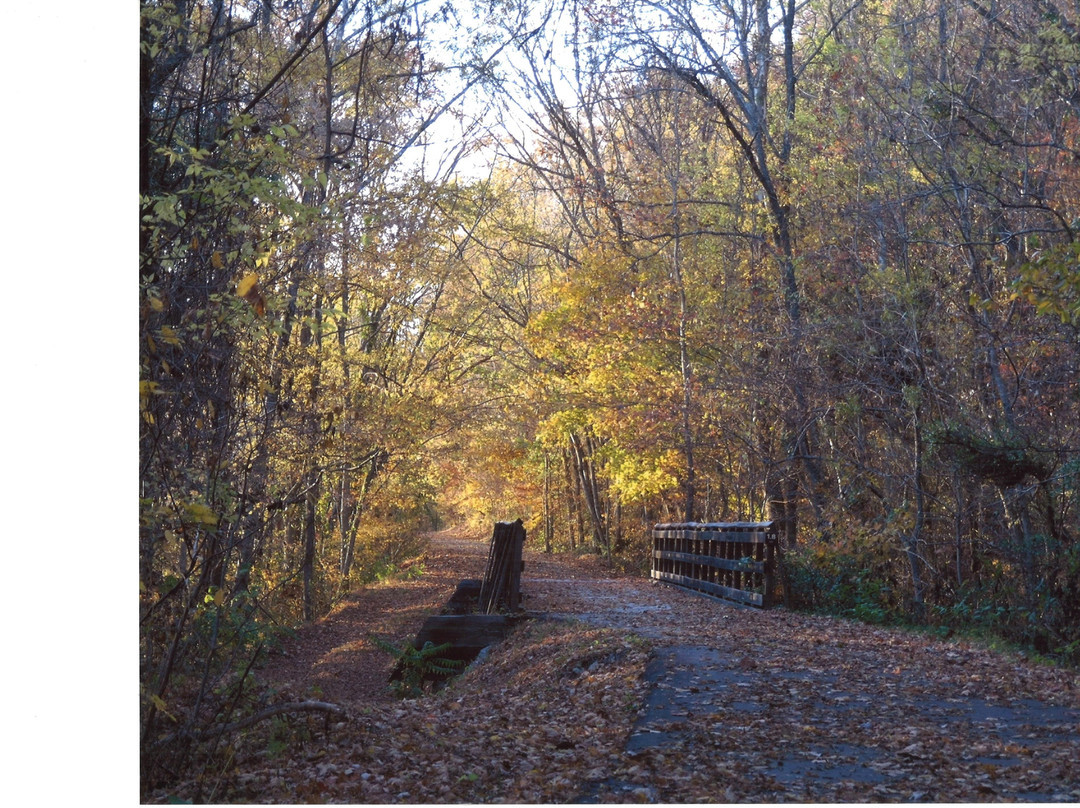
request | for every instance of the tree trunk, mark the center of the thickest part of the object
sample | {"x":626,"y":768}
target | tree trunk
{"x":254,"y":519}
{"x":354,"y":522}
{"x":548,"y":516}
{"x":1016,"y":501}
{"x":590,"y":491}
{"x":311,"y":501}
{"x":911,"y":545}
{"x":575,"y":521}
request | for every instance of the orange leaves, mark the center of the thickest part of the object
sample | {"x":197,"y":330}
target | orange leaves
{"x":248,"y":289}
{"x":247,"y":284}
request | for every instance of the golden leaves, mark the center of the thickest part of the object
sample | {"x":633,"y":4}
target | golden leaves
{"x":249,"y":282}
{"x":146,"y":390}
{"x":248,"y":289}
{"x":159,"y":704}
{"x":168,"y":336}
{"x":200,"y":513}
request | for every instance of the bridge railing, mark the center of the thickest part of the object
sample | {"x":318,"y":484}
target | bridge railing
{"x":736,"y":561}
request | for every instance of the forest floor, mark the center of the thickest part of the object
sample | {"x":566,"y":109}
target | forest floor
{"x":624,"y":690}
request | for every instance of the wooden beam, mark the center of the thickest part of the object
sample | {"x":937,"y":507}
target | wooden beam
{"x":736,"y":537}
{"x":723,"y":592}
{"x":712,"y":561}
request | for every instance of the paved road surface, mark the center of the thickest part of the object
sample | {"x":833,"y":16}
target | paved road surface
{"x":822,"y":709}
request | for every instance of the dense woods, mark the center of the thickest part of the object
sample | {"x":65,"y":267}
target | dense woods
{"x":600,"y":265}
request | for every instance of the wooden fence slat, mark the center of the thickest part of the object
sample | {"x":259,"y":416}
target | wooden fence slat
{"x":712,"y":561}
{"x":501,"y":587}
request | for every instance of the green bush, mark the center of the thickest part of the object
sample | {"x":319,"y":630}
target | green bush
{"x":417,"y":667}
{"x":835,"y":581}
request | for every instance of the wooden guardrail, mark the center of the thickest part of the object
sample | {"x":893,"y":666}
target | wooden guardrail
{"x":736,"y":561}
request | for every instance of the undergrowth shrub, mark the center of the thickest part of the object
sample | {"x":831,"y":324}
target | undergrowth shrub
{"x":418,"y":669}
{"x":823,"y":578}
{"x":995,"y":607}
{"x":382,"y":548}
{"x":859,"y":581}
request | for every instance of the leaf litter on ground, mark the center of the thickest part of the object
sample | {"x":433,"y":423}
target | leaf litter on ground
{"x":775,"y":706}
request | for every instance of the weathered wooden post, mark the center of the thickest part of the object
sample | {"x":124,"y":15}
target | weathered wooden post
{"x":502,"y":579}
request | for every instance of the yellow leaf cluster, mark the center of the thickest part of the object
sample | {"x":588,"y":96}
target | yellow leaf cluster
{"x":247,"y":284}
{"x":248,"y":288}
{"x":200,"y":513}
{"x":168,"y":336}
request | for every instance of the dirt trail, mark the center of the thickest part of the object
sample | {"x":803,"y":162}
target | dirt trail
{"x":334,"y":656}
{"x":334,"y":659}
